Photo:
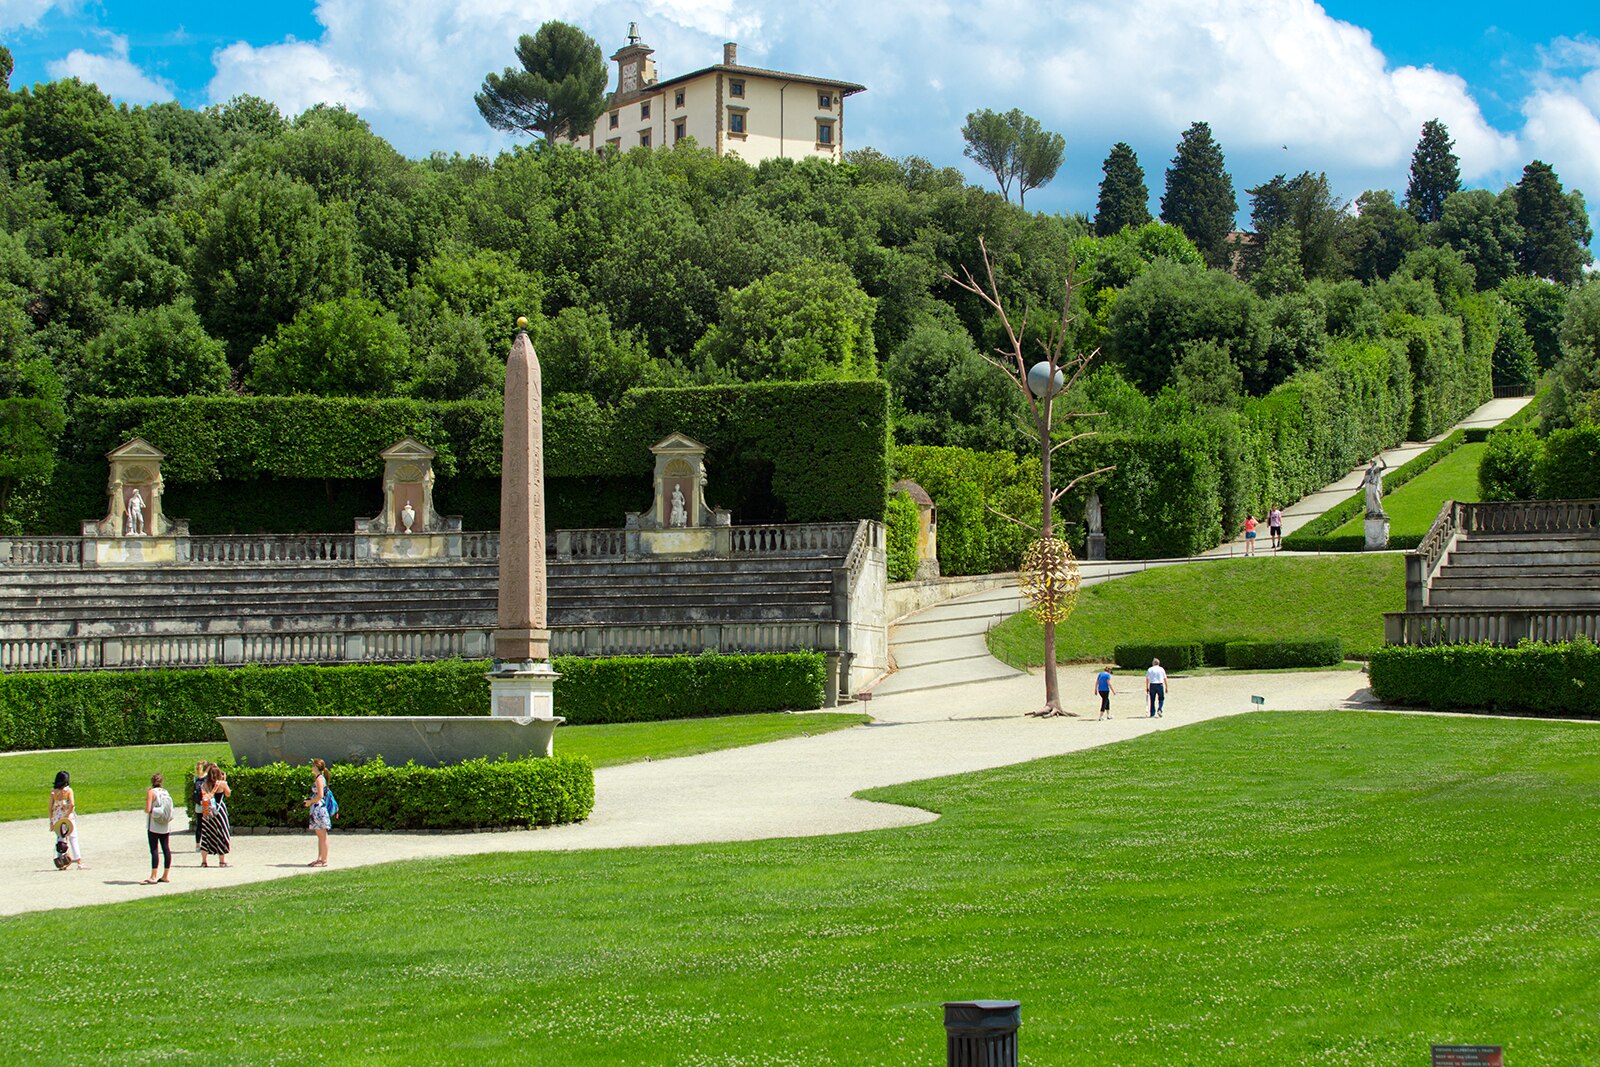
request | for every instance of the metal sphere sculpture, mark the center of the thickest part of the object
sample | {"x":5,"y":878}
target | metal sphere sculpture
{"x":1049,"y":578}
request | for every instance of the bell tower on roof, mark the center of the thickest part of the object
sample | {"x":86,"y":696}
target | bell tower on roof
{"x":636,"y":70}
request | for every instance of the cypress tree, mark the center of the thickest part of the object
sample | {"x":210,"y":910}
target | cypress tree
{"x":1555,"y":226}
{"x":1435,"y":172}
{"x":1199,"y":199}
{"x":1124,"y":199}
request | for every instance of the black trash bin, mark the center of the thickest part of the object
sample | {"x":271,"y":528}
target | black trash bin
{"x":982,"y":1033}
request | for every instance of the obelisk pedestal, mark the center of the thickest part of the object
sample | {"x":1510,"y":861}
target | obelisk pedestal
{"x":522,"y":684}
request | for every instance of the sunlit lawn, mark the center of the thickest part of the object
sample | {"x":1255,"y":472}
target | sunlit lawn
{"x":1265,"y":597}
{"x":1413,"y":507}
{"x":1282,"y":888}
{"x":115,"y":779}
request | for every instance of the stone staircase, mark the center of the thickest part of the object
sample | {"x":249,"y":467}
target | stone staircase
{"x":1502,"y":572}
{"x":370,"y":596}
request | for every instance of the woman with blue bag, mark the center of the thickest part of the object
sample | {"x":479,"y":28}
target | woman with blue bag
{"x":322,"y":807}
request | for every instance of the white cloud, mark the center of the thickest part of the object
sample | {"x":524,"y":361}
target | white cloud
{"x":18,"y":14}
{"x":294,"y":75}
{"x":116,"y":75}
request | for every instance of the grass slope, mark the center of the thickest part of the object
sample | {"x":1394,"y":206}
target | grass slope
{"x":1192,"y":897}
{"x":115,"y":779}
{"x":1266,"y":597}
{"x":1413,"y":507}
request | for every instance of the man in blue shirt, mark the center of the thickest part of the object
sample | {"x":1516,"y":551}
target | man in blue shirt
{"x":1103,"y":686}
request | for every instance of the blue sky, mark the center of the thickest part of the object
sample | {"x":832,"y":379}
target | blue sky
{"x":1342,"y":86}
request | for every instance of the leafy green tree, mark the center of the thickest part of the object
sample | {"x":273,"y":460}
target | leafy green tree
{"x":1574,"y":395}
{"x":486,"y":285}
{"x":581,"y":352}
{"x":1555,"y":226}
{"x":1510,"y":458}
{"x":90,"y":156}
{"x":1435,"y":173}
{"x":245,"y":120}
{"x":1280,"y":270}
{"x":453,"y":359}
{"x":143,"y":266}
{"x":1206,"y":375}
{"x":1172,"y":305}
{"x":345,"y":347}
{"x":195,"y":140}
{"x":1294,"y":337}
{"x":1305,"y":204}
{"x":32,"y":407}
{"x":945,"y":393}
{"x":1015,"y":148}
{"x":161,"y":351}
{"x":812,"y":321}
{"x":1124,"y":199}
{"x":1380,"y":236}
{"x":1199,"y":198}
{"x":6,"y":66}
{"x":269,"y":249}
{"x":1514,"y":362}
{"x":1483,"y":227}
{"x":559,"y":92}
{"x":1541,"y":305}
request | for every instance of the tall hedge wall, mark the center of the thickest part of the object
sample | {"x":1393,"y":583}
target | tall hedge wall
{"x":780,"y":451}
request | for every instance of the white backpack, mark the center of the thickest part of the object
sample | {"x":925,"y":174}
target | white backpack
{"x":161,"y":811}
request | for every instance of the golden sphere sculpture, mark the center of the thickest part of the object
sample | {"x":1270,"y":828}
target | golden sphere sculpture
{"x":1049,"y":578}
{"x":522,"y":322}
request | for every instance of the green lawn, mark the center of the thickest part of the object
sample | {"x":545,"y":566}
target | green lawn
{"x":115,"y":779}
{"x":1263,"y":597}
{"x":1413,"y":507}
{"x":1191,"y":897}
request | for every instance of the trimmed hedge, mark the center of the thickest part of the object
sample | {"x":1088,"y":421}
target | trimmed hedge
{"x":475,"y":795}
{"x":779,"y":451}
{"x":1271,"y":655}
{"x":651,"y":688}
{"x":1317,"y":535}
{"x":1174,"y":656}
{"x":100,"y":708}
{"x":1532,"y":678}
{"x":901,"y":527}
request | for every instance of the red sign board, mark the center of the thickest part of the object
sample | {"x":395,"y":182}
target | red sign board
{"x":1467,"y":1056}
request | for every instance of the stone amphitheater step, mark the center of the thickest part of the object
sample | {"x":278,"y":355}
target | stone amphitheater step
{"x":325,"y":596}
{"x":1552,"y":599}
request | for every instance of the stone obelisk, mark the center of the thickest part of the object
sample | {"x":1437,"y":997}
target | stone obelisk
{"x":522,"y":684}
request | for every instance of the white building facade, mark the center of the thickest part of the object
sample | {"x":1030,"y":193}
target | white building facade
{"x":748,"y":112}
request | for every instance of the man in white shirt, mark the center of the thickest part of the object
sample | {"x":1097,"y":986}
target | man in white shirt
{"x":1155,"y":687}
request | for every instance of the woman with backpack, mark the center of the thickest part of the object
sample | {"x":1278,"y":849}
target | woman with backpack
{"x":320,"y":803}
{"x":158,"y":824}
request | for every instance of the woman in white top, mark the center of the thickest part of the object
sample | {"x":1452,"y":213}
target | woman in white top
{"x":64,"y":815}
{"x":157,"y":801}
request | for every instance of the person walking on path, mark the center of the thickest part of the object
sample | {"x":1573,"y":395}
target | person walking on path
{"x":1103,"y":686}
{"x":1275,"y":526}
{"x":1155,"y":688}
{"x":158,"y":825}
{"x":320,"y":822}
{"x":1250,"y":525}
{"x":64,"y":816}
{"x":216,"y":836}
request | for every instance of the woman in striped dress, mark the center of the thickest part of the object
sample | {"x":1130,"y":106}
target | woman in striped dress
{"x":216,"y":838}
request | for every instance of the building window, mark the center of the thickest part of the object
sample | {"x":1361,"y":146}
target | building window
{"x":677,"y":98}
{"x":824,"y":101}
{"x":615,"y":144}
{"x":616,"y":117}
{"x":644,"y":110}
{"x":679,"y":128}
{"x":825,"y":132}
{"x":736,"y":123}
{"x":736,"y":87}
{"x":644,"y":138}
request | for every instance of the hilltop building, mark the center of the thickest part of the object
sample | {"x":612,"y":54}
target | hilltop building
{"x":748,"y":112}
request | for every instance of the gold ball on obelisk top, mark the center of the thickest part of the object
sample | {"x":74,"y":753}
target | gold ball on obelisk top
{"x":522,"y":322}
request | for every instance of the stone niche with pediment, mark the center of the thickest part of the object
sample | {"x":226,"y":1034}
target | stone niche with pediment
{"x":679,"y":522}
{"x":135,"y":529}
{"x":409,"y":526}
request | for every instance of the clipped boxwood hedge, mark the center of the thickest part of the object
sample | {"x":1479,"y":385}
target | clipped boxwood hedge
{"x":1531,"y":679}
{"x":98,"y":708}
{"x":1174,"y":656}
{"x":475,"y":795}
{"x":1271,"y":655}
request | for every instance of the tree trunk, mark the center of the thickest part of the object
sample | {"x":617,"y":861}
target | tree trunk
{"x":1052,"y":687}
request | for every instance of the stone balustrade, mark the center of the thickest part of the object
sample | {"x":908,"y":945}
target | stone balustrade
{"x":1496,"y":627}
{"x":400,"y":646}
{"x":475,"y":546}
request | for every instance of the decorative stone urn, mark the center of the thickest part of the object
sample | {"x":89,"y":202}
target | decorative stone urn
{"x":408,"y":527}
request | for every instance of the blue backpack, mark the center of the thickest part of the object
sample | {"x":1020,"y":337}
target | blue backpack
{"x":328,"y":800}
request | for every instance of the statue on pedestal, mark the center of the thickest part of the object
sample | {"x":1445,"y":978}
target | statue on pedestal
{"x":679,"y":517}
{"x":135,"y":514}
{"x":1373,"y":483}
